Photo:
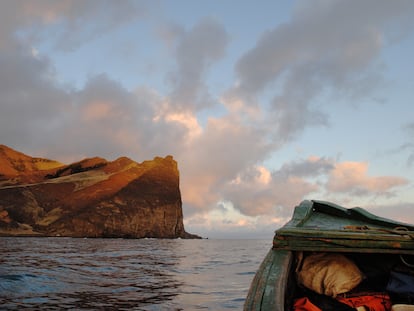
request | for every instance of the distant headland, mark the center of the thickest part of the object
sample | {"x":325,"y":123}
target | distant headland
{"x":90,"y":198}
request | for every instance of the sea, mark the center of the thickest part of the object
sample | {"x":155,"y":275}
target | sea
{"x":127,"y":274}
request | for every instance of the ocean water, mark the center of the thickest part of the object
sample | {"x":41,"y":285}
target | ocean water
{"x":127,"y":274}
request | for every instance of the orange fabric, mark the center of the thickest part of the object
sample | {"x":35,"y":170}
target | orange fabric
{"x":372,"y":302}
{"x":304,"y":304}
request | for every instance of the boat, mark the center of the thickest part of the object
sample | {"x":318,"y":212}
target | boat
{"x":371,"y":242}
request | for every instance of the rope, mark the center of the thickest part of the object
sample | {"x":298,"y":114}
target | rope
{"x":403,"y":231}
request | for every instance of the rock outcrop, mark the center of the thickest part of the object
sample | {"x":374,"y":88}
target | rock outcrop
{"x":90,"y":198}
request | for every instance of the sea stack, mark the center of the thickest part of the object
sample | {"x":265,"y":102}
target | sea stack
{"x":90,"y":198}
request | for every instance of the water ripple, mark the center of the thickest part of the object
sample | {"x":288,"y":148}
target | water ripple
{"x":118,"y":274}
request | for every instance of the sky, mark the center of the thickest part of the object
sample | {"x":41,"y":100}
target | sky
{"x":263,"y":104}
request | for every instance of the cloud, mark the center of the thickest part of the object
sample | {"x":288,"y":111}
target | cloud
{"x":101,"y":119}
{"x":351,"y":177}
{"x":31,"y":101}
{"x":225,"y":147}
{"x":72,"y":23}
{"x":264,"y":200}
{"x":111,"y":121}
{"x":311,"y":167}
{"x":37,"y":111}
{"x":306,"y":44}
{"x":409,"y":128}
{"x":106,"y":115}
{"x":226,"y":221}
{"x":197,"y":49}
{"x":306,"y":57}
{"x":258,"y":191}
{"x":406,"y":149}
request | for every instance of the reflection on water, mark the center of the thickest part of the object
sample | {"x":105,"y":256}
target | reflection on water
{"x":118,"y":274}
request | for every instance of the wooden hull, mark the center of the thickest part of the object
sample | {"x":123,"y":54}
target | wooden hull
{"x":318,"y":226}
{"x":268,"y":288}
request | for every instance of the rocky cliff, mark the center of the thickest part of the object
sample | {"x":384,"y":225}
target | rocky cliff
{"x":90,"y":198}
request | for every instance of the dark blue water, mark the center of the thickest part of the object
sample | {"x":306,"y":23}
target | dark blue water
{"x":119,"y":274}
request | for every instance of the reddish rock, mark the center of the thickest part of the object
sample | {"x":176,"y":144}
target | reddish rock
{"x":90,"y":198}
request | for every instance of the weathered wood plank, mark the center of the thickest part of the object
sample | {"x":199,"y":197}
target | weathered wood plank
{"x":327,"y":245}
{"x":267,"y":290}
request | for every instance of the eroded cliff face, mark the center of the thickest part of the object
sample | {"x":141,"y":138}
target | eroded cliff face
{"x":90,"y":198}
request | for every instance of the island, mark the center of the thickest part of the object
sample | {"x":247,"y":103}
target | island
{"x":90,"y":198}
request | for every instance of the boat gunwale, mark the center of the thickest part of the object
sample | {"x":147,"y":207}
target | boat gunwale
{"x":363,"y":234}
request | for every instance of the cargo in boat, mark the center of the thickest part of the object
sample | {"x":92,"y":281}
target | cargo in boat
{"x":365,"y":262}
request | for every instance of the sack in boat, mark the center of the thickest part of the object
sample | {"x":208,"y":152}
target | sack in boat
{"x":328,"y":273}
{"x":370,"y":302}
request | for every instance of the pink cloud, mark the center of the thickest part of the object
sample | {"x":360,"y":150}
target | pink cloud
{"x":97,"y":110}
{"x":352,"y":177}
